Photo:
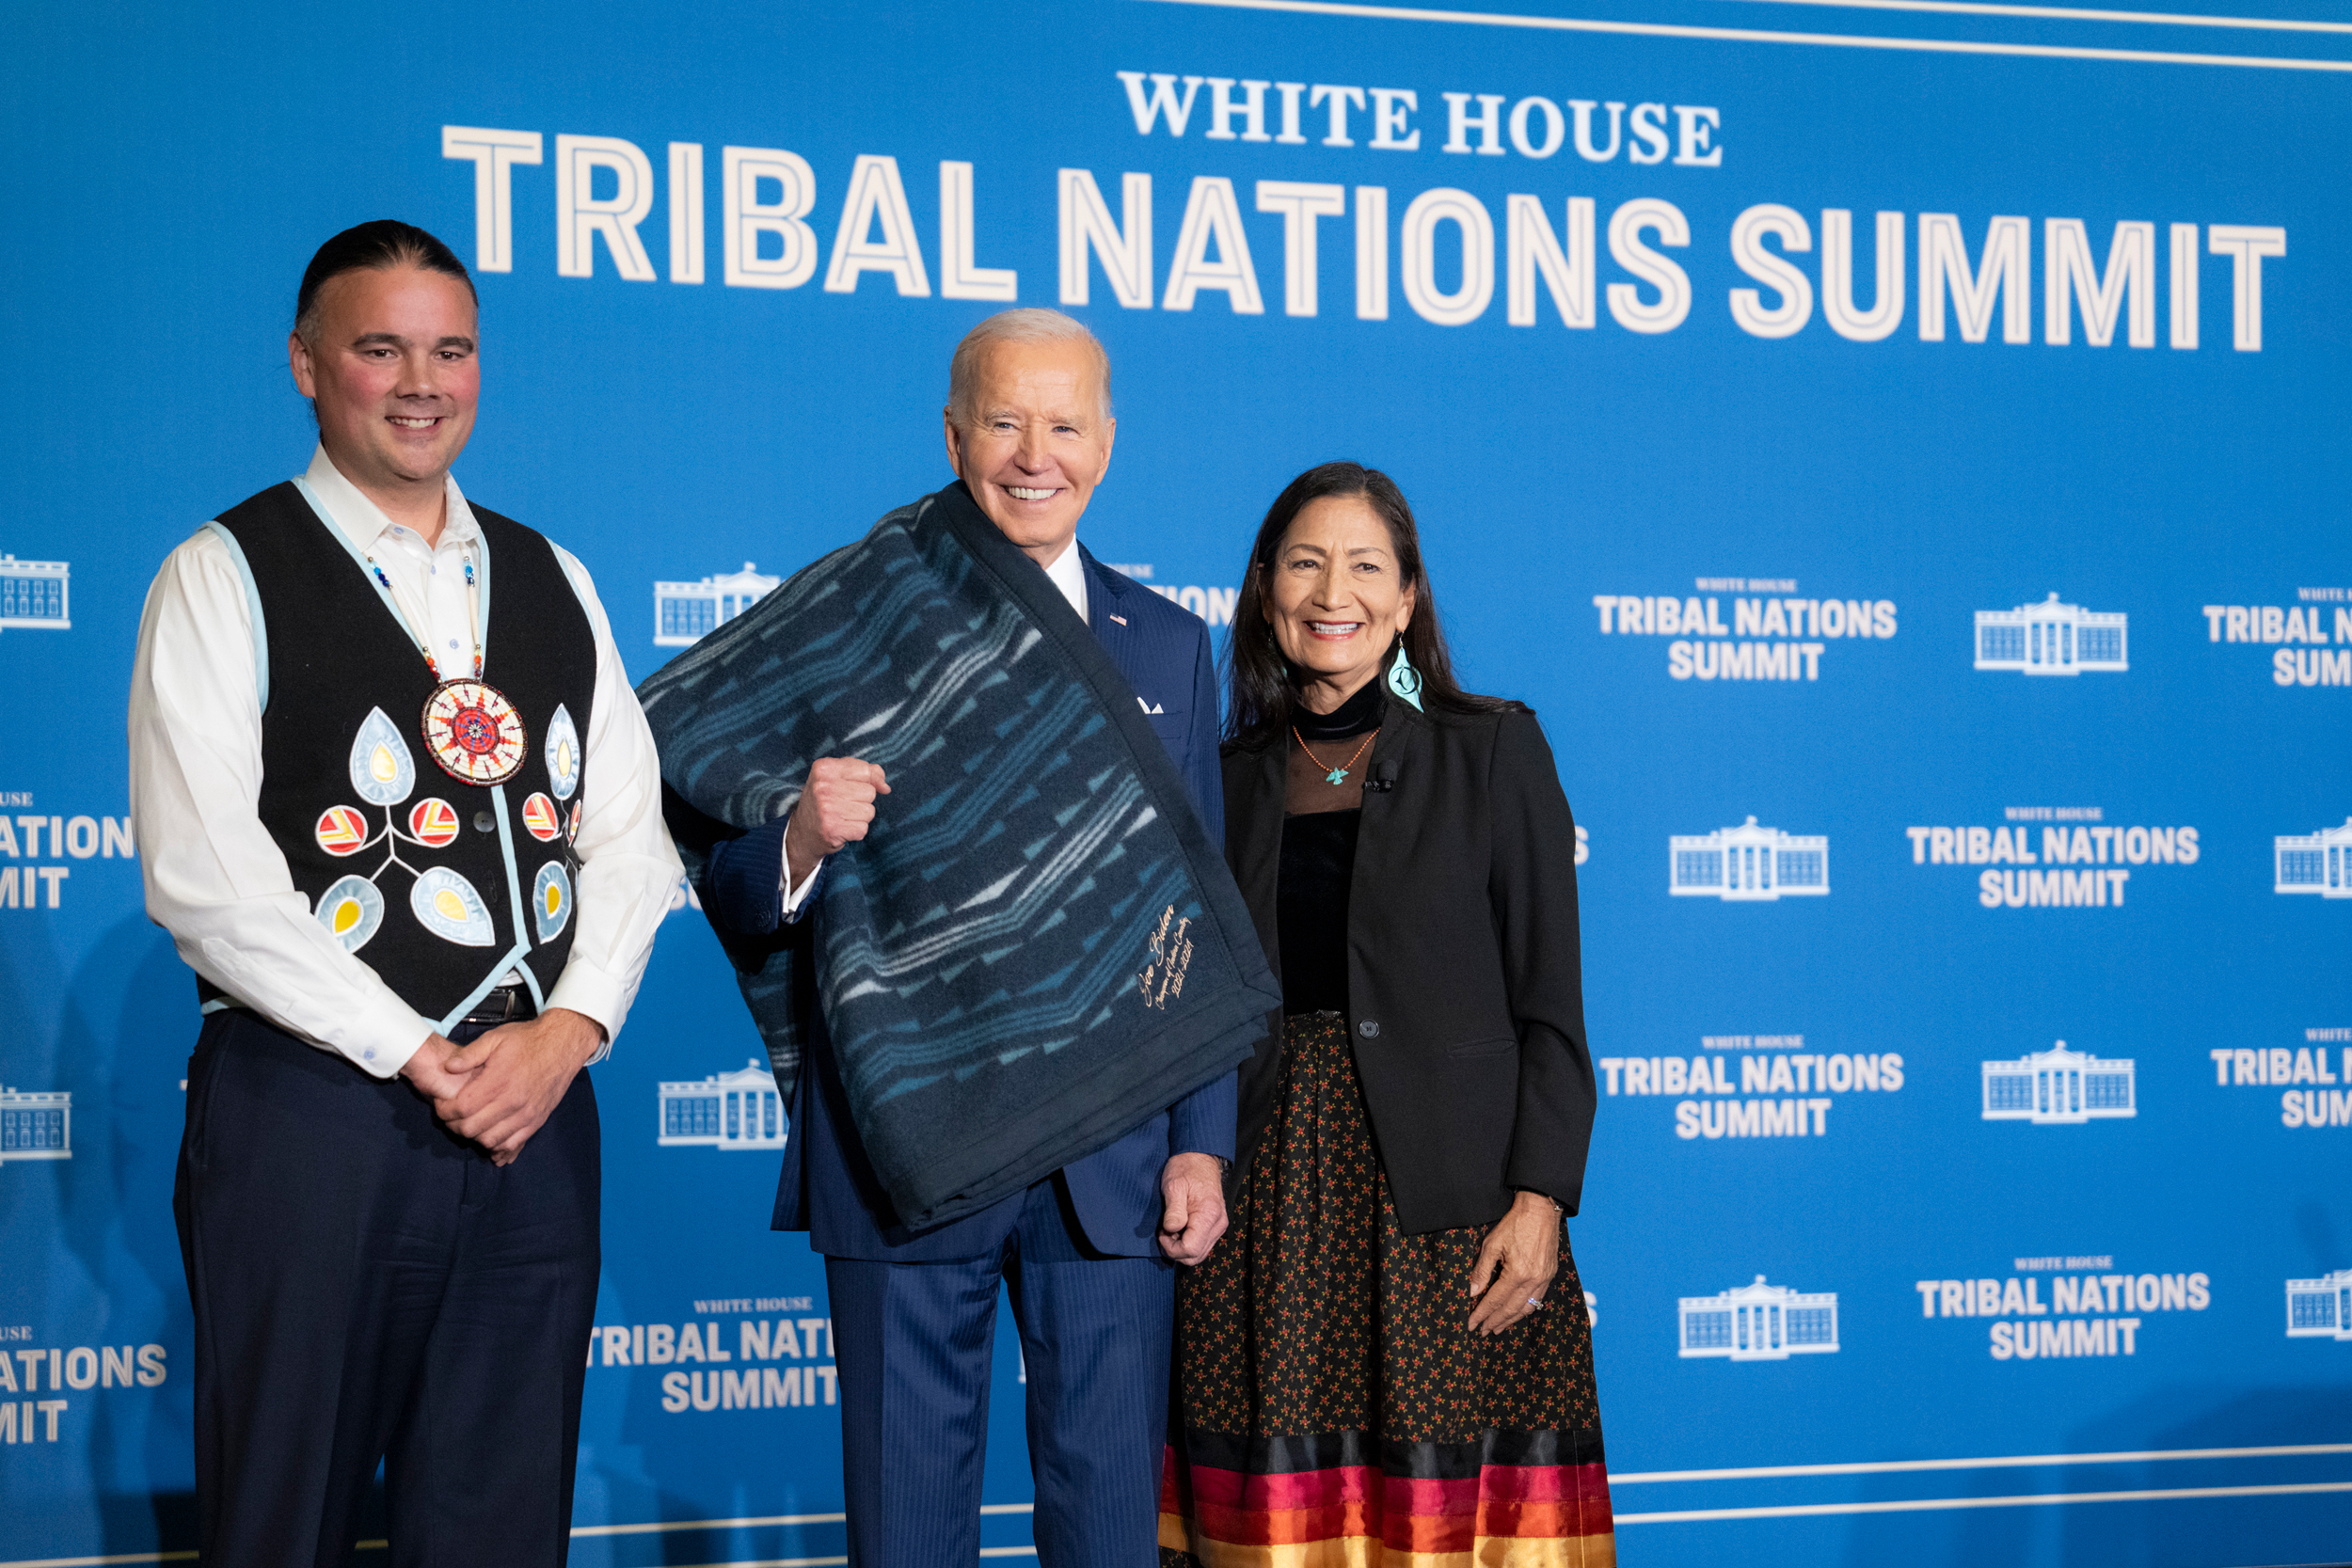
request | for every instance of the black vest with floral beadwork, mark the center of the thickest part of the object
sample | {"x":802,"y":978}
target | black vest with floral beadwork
{"x":440,"y":883}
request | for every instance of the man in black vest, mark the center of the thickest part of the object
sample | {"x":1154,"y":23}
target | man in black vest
{"x":409,"y":838}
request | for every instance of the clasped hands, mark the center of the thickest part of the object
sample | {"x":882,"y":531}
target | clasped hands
{"x":500,"y":1088}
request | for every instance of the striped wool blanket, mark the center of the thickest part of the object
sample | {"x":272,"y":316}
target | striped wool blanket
{"x":1036,"y":947}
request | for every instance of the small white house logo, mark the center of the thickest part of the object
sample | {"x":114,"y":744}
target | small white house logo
{"x":1759,"y":1322}
{"x":33,"y":595}
{"x":2060,"y":1087}
{"x":727,"y":1110}
{"x":1746,"y":863}
{"x":36,"y":1126}
{"x":686,"y":613}
{"x":2320,"y":1308}
{"x":2051,"y":639}
{"x":2317,"y":862}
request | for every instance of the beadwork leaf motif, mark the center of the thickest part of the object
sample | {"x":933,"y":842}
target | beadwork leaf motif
{"x":434,"y":822}
{"x":383,"y":771}
{"x":352,"y":911}
{"x":540,"y":818}
{"x":562,"y":753}
{"x":341,"y":830}
{"x":447,"y":905}
{"x":552,"y":901}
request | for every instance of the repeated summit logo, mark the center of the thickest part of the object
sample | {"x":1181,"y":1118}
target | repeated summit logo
{"x":686,"y":613}
{"x":2319,"y":862}
{"x":2084,"y":1315}
{"x":1782,"y":1090}
{"x":34,"y":595}
{"x":2313,"y":1092}
{"x":2060,"y":1087}
{"x":2321,"y":1309}
{"x":2052,"y":638}
{"x":36,"y":1126}
{"x":1746,"y":864}
{"x":2081,"y":861}
{"x":1774,"y":633}
{"x":1758,"y":1322}
{"x":1212,"y":605}
{"x":76,"y":1379}
{"x":33,"y":837}
{"x":782,"y":1355}
{"x":2299,"y":635}
{"x":738,"y":1110}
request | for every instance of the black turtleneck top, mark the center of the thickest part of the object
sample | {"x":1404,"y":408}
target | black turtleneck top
{"x":1319,"y":825}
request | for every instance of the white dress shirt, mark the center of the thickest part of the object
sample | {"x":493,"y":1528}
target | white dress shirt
{"x":216,"y":879}
{"x":1068,"y":574}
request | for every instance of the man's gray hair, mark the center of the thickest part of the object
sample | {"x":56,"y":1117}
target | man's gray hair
{"x":1031,"y":324}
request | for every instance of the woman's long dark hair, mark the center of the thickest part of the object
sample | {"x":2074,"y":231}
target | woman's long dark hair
{"x":1262,"y":696}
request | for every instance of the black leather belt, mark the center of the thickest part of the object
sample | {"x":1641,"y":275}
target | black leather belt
{"x":504,"y":1004}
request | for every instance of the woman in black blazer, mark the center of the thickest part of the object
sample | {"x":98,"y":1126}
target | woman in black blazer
{"x":1390,"y":1351}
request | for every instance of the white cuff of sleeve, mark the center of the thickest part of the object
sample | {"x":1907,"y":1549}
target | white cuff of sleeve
{"x":381,"y":1044}
{"x":794,"y":898}
{"x":594,"y":995}
{"x":377,"y":1037}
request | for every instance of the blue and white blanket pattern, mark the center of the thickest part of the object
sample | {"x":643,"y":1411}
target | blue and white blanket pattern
{"x":1036,"y":947}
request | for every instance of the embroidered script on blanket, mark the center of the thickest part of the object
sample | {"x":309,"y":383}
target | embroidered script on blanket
{"x":1172,"y":955}
{"x":975,"y":960}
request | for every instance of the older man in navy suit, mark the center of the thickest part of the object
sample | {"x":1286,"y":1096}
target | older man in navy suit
{"x":1088,"y":1252}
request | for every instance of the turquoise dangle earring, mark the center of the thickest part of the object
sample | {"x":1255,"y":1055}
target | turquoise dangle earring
{"x":1403,"y":680}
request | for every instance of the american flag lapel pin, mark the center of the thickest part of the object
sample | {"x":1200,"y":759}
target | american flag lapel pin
{"x":1120,"y":619}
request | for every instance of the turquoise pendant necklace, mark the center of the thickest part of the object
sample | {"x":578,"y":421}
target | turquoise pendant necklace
{"x":1333,"y":775}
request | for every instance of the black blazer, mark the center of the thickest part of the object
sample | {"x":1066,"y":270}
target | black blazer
{"x":1465,"y":991}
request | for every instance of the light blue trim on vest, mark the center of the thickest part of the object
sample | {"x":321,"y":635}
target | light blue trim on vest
{"x":482,"y":597}
{"x":473,"y":998}
{"x":573,"y":572}
{"x":253,"y":607}
{"x":482,"y":575}
{"x":521,"y":950}
{"x":358,"y":559}
{"x":530,"y":984}
{"x":514,"y":897}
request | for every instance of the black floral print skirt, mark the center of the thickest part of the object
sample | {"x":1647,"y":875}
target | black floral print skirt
{"x":1335,"y":1409}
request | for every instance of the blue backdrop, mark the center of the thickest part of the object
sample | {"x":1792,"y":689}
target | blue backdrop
{"x":1946,"y":643}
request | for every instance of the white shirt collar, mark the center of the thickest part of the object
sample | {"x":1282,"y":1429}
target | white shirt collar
{"x":1069,"y":572}
{"x":363,"y":522}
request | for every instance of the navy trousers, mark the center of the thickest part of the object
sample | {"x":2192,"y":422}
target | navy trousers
{"x":915,"y":1343}
{"x":368,"y":1286}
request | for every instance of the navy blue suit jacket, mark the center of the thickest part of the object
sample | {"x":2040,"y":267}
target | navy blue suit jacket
{"x":828,"y":1188}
